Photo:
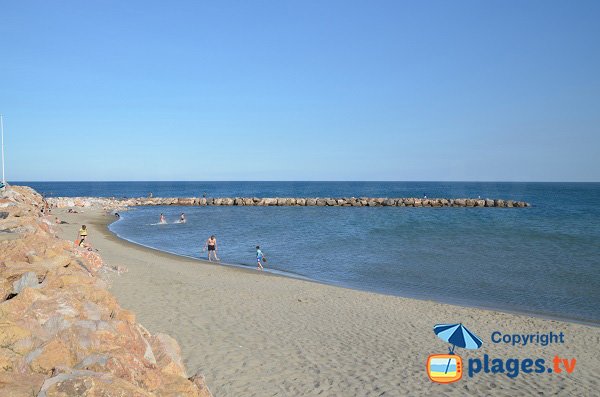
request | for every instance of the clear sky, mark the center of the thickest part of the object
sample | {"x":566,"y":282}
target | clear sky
{"x":301,"y":90}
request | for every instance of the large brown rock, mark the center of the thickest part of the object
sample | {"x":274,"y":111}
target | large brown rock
{"x":8,"y":359}
{"x":51,"y":355}
{"x":89,"y":384}
{"x":167,"y":354}
{"x":199,"y":381}
{"x":460,"y":202}
{"x":270,"y":201}
{"x":175,"y":386}
{"x":14,"y":384}
{"x":27,"y":280}
{"x":185,"y":201}
{"x":10,"y":333}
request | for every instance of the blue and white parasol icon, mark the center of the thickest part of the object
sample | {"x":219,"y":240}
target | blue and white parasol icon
{"x":457,"y":335}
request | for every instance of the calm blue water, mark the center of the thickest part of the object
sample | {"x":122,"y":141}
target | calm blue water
{"x":544,"y":259}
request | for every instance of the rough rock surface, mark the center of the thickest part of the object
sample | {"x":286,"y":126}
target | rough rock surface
{"x":114,"y":203}
{"x":61,"y":332}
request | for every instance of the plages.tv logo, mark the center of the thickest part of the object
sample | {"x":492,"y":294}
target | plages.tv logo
{"x":448,"y":368}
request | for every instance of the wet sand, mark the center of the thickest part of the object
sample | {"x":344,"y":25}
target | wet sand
{"x":258,"y":334}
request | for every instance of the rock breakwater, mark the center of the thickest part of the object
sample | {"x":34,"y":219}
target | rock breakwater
{"x":110,"y":202}
{"x":61,"y":332}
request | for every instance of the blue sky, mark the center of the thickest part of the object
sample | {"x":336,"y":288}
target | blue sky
{"x":301,"y":90}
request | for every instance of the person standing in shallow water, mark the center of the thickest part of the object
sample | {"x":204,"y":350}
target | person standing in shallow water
{"x":211,"y":246}
{"x":259,"y":257}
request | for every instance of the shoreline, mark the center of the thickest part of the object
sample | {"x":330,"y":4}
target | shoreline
{"x":253,"y":333}
{"x":240,"y":266}
{"x":279,"y":273}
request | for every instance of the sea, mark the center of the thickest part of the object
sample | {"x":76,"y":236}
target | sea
{"x":542,"y":260}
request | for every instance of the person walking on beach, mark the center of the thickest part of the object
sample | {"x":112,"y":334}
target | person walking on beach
{"x":82,"y":235}
{"x":211,"y":246}
{"x":260,"y":257}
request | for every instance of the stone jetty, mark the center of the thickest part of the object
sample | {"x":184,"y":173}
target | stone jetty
{"x":61,"y":332}
{"x":111,"y":202}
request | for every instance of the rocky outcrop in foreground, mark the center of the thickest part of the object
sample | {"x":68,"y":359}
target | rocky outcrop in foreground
{"x":111,"y":202}
{"x":61,"y":332}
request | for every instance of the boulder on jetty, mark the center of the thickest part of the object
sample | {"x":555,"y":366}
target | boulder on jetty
{"x":112,"y":203}
{"x":61,"y":332}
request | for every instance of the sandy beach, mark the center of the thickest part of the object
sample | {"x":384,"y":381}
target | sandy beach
{"x":257,"y":334}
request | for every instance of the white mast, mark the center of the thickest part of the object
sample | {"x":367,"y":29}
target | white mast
{"x":2,"y":133}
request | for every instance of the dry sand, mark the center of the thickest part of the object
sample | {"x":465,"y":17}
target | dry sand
{"x":255,"y":334}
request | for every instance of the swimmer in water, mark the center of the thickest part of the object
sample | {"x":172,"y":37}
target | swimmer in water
{"x":182,"y":218}
{"x":162,"y":219}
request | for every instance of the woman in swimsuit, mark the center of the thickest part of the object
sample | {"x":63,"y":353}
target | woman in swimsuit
{"x":211,"y":246}
{"x":162,"y":219}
